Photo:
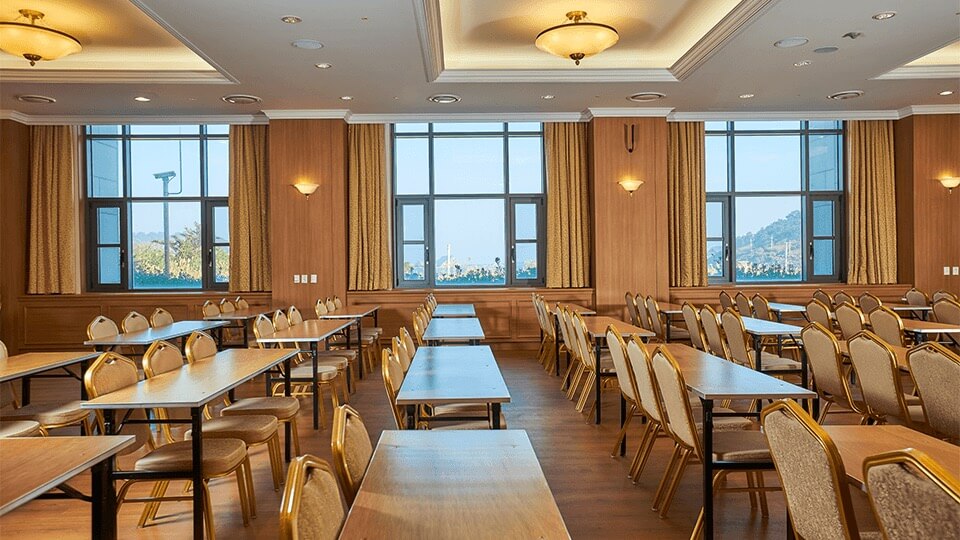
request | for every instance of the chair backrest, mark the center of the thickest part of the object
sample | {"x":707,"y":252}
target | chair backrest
{"x":226,"y":306}
{"x":811,"y":473}
{"x":642,"y":315}
{"x":912,"y":495}
{"x":111,"y":372}
{"x":134,"y":322}
{"x":241,"y":303}
{"x":936,"y":371}
{"x":744,"y":306}
{"x":676,"y":404}
{"x":916,"y":297}
{"x":160,"y":317}
{"x":823,"y":355}
{"x":312,"y":507}
{"x":850,"y":319}
{"x":418,"y":327}
{"x":320,"y":307}
{"x":209,"y":309}
{"x":392,"y":379}
{"x":694,"y":326}
{"x":293,"y":316}
{"x":400,"y":351}
{"x":3,"y":351}
{"x":656,"y":321}
{"x":631,"y":302}
{"x":879,"y":377}
{"x":736,"y":334}
{"x":819,"y":312}
{"x":263,"y":328}
{"x":351,"y":449}
{"x":566,"y":334}
{"x":726,"y":301}
{"x":337,"y":303}
{"x":947,"y":311}
{"x":543,"y":312}
{"x":618,"y":352}
{"x":161,"y":357}
{"x":640,"y":366}
{"x":761,"y":307}
{"x":101,"y":327}
{"x":869,"y":302}
{"x":824,"y":297}
{"x":331,"y":305}
{"x":582,"y":338}
{"x":407,"y":340}
{"x":200,"y":345}
{"x":888,"y":325}
{"x":944,"y":294}
{"x":842,"y":297}
{"x":716,"y":343}
{"x":280,"y":321}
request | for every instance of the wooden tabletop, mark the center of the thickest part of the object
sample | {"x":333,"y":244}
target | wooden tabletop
{"x":148,"y":336}
{"x":762,"y":327}
{"x":454,"y":484}
{"x":245,"y":314}
{"x":460,"y":374}
{"x":900,"y":352}
{"x":927,"y":327}
{"x":575,"y":308}
{"x":856,"y":443}
{"x":195,"y":384}
{"x":454,"y":310}
{"x":31,"y":466}
{"x":351,"y":312}
{"x":711,"y":377}
{"x":459,"y":329}
{"x":597,"y":327}
{"x":23,"y":365}
{"x":786,"y":308}
{"x":311,"y":330}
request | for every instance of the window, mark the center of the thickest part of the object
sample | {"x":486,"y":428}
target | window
{"x":774,"y":201}
{"x":157,"y":207}
{"x":469,"y":204}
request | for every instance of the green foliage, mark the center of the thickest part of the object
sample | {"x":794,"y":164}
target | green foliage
{"x":186,"y":261}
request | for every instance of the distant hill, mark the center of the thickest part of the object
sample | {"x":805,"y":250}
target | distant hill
{"x":772,"y":253}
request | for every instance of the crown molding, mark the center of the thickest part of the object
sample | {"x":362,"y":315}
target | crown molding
{"x":744,"y":14}
{"x":114,"y":76}
{"x":555,"y":75}
{"x":627,"y":112}
{"x":948,"y":108}
{"x":16,"y":116}
{"x":468,"y":117}
{"x":783,"y":115}
{"x":70,"y":120}
{"x":307,"y":114}
{"x":921,"y":72}
{"x":427,"y":15}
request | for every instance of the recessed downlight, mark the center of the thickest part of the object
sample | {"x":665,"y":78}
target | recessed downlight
{"x":142,"y":99}
{"x":641,"y":97}
{"x":444,"y":99}
{"x":241,"y":99}
{"x":309,"y":44}
{"x":747,"y":96}
{"x":35,"y":98}
{"x":826,"y":50}
{"x":884,"y":15}
{"x":846,"y":94}
{"x":946,"y":93}
{"x":547,"y":96}
{"x":323,"y":65}
{"x":291,"y":19}
{"x":802,"y":63}
{"x":789,"y":42}
{"x":346,"y":98}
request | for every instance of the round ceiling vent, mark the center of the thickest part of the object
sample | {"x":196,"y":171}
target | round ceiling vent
{"x":641,"y":97}
{"x":444,"y":99}
{"x":35,"y":98}
{"x":241,"y":99}
{"x":846,"y":94}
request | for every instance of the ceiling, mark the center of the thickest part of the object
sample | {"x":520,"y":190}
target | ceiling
{"x":385,"y":55}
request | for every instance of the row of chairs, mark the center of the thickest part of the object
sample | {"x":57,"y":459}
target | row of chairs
{"x":422,"y":316}
{"x":645,"y":313}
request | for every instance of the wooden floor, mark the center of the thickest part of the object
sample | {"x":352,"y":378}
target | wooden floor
{"x":591,"y":488}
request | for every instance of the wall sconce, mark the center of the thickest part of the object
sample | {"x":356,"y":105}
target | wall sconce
{"x":949,"y":182}
{"x":307,"y":188}
{"x":630,"y":185}
{"x":630,"y":138}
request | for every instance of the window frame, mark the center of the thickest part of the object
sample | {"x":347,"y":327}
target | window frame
{"x":429,"y":199}
{"x":807,"y":196}
{"x":125,"y":203}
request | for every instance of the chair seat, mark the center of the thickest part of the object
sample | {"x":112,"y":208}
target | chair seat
{"x":772,"y":362}
{"x":679,"y":334}
{"x":337,"y":362}
{"x":304,"y":372}
{"x":49,"y":414}
{"x":19,"y":428}
{"x":251,"y":429}
{"x":220,"y":456}
{"x":740,"y":446}
{"x":280,"y":407}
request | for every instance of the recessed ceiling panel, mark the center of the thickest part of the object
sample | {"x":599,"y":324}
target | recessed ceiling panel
{"x":946,"y":56}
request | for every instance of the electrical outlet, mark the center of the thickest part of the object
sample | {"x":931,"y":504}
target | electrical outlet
{"x":296,"y":278}
{"x":946,"y":270}
{"x":303,"y":278}
{"x":956,"y":270}
{"x":313,"y":278}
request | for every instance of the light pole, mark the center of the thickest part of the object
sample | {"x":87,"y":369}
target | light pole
{"x":166,"y":178}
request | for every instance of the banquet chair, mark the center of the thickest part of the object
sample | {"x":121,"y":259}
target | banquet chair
{"x":879,"y":376}
{"x":869,"y":302}
{"x":761,"y":308}
{"x":628,"y":386}
{"x":27,"y":420}
{"x":741,"y":352}
{"x":631,"y":302}
{"x":660,"y":323}
{"x":209,"y":309}
{"x":400,"y":351}
{"x":226,"y":306}
{"x":134,"y":322}
{"x":351,"y":448}
{"x":605,"y":371}
{"x":160,"y":317}
{"x":694,"y":326}
{"x":819,"y":312}
{"x":935,"y":371}
{"x":726,"y":301}
{"x":916,"y":297}
{"x":824,"y":297}
{"x":841,"y":297}
{"x":850,"y":320}
{"x":240,"y":303}
{"x":947,"y":311}
{"x":716,"y":343}
{"x":313,"y":507}
{"x":744,"y":305}
{"x":101,"y":327}
{"x":829,"y":373}
{"x":945,"y":294}
{"x":887,"y":325}
{"x":641,"y":303}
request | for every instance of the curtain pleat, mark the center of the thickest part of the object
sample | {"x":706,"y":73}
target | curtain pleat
{"x":249,"y":211}
{"x":568,"y":205}
{"x":687,"y":200}
{"x":369,"y":262}
{"x":54,"y":213}
{"x":871,"y":203}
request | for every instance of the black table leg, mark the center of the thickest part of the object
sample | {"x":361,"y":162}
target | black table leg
{"x":413,"y":413}
{"x":315,"y":355}
{"x":707,"y":468}
{"x":83,"y":371}
{"x":286,"y":391}
{"x":623,"y":420}
{"x":246,"y":336}
{"x":103,"y":492}
{"x":495,"y":411}
{"x":196,"y":438}
{"x":556,"y":333}
{"x":25,"y":391}
{"x":597,"y":379}
{"x":758,"y":360}
{"x":359,"y":343}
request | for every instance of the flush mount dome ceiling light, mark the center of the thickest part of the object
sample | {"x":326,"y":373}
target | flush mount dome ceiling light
{"x":444,"y":99}
{"x":846,"y":94}
{"x":35,"y":42}
{"x":309,"y":44}
{"x":789,"y":42}
{"x":241,"y":99}
{"x":35,"y":98}
{"x":577,"y":39}
{"x":641,"y":97}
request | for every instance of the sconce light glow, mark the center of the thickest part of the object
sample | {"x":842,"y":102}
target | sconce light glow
{"x":949,"y":182}
{"x":630,"y":185}
{"x":307,"y":188}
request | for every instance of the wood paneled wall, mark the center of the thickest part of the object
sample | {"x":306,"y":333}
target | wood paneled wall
{"x":14,"y":205}
{"x":629,"y":231}
{"x":928,"y":217}
{"x":308,"y":235}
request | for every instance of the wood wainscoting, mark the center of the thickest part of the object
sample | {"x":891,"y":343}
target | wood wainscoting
{"x":784,"y":293}
{"x":506,"y":315}
{"x":59,"y":322}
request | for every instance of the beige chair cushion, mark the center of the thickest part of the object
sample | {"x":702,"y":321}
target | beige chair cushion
{"x":910,"y":506}
{"x":350,"y":354}
{"x":678,"y":333}
{"x":19,"y":428}
{"x":251,"y":429}
{"x":322,"y":510}
{"x":305,"y":372}
{"x":337,"y":362}
{"x":772,"y":362}
{"x":220,"y":456}
{"x":280,"y":407}
{"x":740,"y":446}
{"x":49,"y":414}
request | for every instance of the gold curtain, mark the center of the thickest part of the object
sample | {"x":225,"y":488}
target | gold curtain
{"x":369,"y":262}
{"x":871,"y":203}
{"x":568,"y":205}
{"x":687,"y":200}
{"x":54,"y":215}
{"x":249,"y":212}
